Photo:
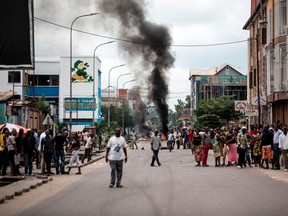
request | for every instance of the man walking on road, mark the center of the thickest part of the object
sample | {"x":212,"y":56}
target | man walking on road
{"x":155,"y":146}
{"x":115,"y":158}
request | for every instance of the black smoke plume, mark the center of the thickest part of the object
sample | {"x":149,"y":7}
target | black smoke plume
{"x":153,"y":47}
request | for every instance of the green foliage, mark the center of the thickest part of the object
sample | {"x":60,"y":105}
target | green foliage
{"x":41,"y":105}
{"x":116,"y":119}
{"x":216,"y":112}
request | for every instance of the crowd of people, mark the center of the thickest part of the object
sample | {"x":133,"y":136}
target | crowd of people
{"x":42,"y":148}
{"x":263,"y":147}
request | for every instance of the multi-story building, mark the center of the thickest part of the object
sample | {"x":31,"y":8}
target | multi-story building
{"x":215,"y":82}
{"x":268,"y":79}
{"x":51,"y":78}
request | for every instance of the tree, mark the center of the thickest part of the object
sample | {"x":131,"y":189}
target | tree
{"x":216,"y":112}
{"x":41,"y":105}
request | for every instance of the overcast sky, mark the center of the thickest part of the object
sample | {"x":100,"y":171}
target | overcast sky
{"x":191,"y":22}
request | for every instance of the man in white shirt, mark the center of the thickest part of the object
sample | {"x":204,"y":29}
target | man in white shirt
{"x":88,"y":148}
{"x":115,"y":146}
{"x":155,"y":146}
{"x":283,"y":144}
{"x":276,"y":155}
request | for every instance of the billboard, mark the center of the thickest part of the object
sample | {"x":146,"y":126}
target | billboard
{"x":80,"y":104}
{"x":16,"y":38}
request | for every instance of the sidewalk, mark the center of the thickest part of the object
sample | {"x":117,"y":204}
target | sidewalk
{"x":17,"y":185}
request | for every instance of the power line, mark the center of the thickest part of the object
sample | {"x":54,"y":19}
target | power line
{"x":139,"y":42}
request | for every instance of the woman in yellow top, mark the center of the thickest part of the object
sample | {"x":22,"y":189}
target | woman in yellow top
{"x":3,"y":150}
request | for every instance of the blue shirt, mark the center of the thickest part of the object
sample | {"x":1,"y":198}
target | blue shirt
{"x":276,"y":136}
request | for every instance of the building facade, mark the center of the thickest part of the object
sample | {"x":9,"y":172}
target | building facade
{"x":268,"y":79}
{"x":79,"y":92}
{"x":51,"y":79}
{"x":225,"y":80}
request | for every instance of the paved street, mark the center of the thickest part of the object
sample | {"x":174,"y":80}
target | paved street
{"x":175,"y":188}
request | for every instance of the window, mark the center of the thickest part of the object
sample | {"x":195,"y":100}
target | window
{"x":283,"y":17}
{"x":14,"y":77}
{"x":43,"y":80}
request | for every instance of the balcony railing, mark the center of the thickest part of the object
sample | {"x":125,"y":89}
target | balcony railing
{"x":47,"y":91}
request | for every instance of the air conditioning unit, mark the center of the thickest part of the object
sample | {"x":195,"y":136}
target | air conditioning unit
{"x":282,"y":86}
{"x":286,"y":85}
{"x":283,"y":30}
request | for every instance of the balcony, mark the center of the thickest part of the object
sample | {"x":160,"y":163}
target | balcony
{"x":47,"y":91}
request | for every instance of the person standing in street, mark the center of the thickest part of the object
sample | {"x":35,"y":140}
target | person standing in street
{"x":134,"y":139}
{"x":74,"y":147}
{"x":267,"y":143}
{"x":283,"y":144}
{"x":28,"y":149}
{"x":47,"y":148}
{"x":19,"y":147}
{"x":88,"y":147}
{"x":115,"y":146}
{"x":59,"y":153}
{"x":197,"y":143}
{"x":276,"y":149}
{"x":10,"y":144}
{"x":3,"y":149}
{"x":242,"y":142}
{"x":155,"y":146}
{"x":206,"y":140}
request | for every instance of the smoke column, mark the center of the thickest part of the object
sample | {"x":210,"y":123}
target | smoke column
{"x":153,"y":47}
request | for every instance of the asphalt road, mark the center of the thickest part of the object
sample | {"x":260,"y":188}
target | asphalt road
{"x":175,"y":188}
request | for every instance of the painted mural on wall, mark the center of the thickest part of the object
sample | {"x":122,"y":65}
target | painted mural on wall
{"x":79,"y":72}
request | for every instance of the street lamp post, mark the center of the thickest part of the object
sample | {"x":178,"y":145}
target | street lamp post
{"x":70,"y":70}
{"x":109,"y":91}
{"x":123,"y":125}
{"x":118,"y":89}
{"x":94,"y":56}
{"x":258,"y":82}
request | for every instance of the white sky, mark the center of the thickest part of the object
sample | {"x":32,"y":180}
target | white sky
{"x":190,"y":21}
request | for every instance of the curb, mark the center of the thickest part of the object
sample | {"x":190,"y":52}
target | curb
{"x":19,"y":192}
{"x":42,"y":180}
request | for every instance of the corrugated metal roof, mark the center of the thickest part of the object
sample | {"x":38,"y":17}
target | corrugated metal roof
{"x":214,"y":70}
{"x":4,"y":96}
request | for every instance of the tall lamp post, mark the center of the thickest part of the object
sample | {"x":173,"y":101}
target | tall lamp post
{"x":93,"y":97}
{"x":123,"y":126}
{"x":109,"y":91}
{"x":118,"y":89}
{"x":258,"y":83}
{"x":70,"y":70}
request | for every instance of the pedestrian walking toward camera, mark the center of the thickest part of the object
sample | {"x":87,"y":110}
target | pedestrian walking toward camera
{"x":114,"y":154}
{"x":155,"y":146}
{"x":74,"y":147}
{"x":283,"y":144}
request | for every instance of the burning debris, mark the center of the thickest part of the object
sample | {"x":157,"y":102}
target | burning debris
{"x":152,"y":46}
